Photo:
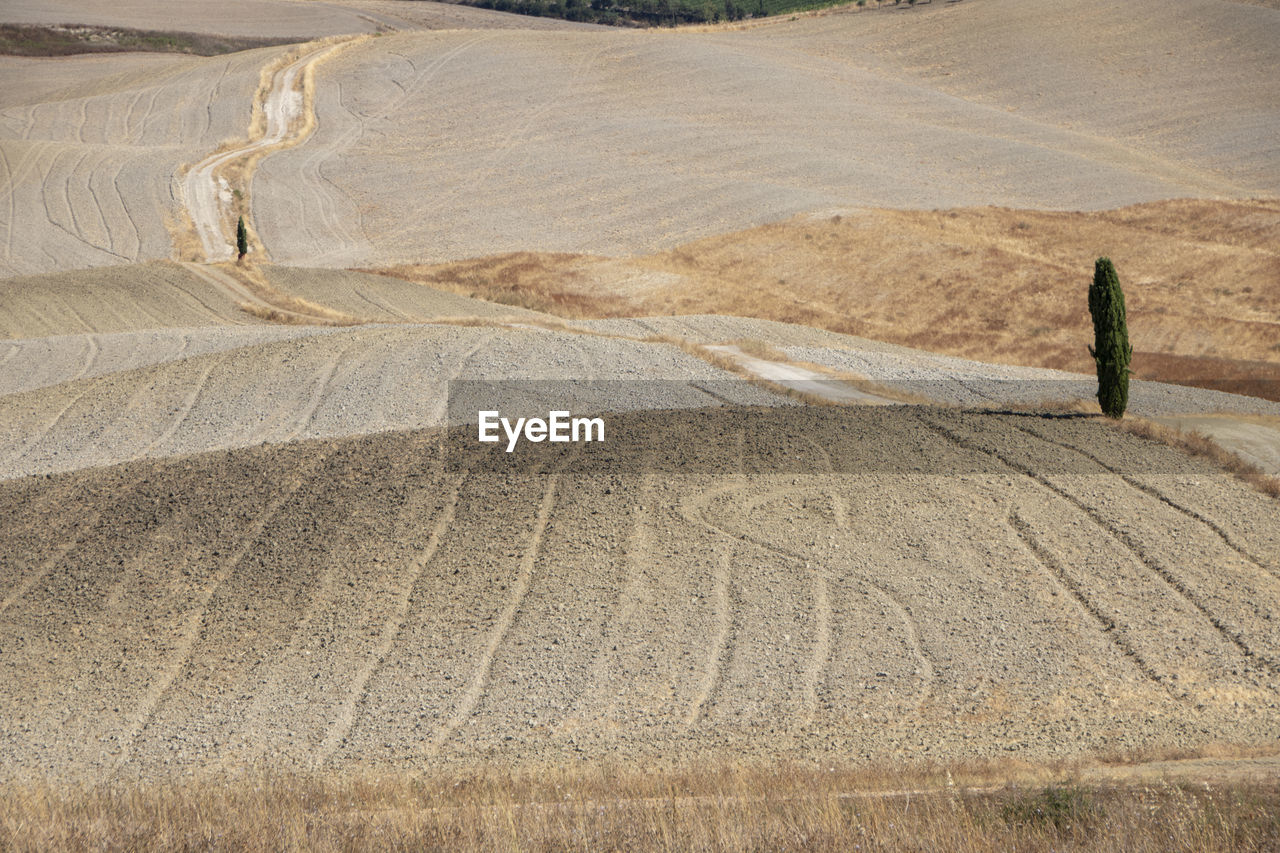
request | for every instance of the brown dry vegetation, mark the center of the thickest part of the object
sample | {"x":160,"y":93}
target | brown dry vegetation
{"x":1197,"y":444}
{"x":1201,"y":278}
{"x":610,"y":808}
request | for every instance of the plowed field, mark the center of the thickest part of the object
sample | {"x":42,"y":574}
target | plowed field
{"x":883,"y":583}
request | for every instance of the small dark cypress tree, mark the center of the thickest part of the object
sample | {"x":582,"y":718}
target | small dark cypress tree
{"x":1111,"y":350}
{"x":242,"y":239}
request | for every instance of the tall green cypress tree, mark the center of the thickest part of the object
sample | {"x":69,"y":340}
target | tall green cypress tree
{"x":242,"y":239}
{"x":1111,"y":350}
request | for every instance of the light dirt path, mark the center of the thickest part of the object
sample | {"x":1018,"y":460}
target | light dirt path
{"x":204,"y":189}
{"x":802,"y":379}
{"x":1256,"y":440}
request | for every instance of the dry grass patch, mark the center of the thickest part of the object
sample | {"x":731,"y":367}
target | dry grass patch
{"x":1198,"y":444}
{"x":284,"y":307}
{"x":552,"y":283}
{"x":1201,"y":279}
{"x":614,"y":808}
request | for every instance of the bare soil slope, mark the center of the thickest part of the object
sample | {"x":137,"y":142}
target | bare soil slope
{"x":113,"y":299}
{"x":855,"y":583}
{"x":274,"y":18}
{"x":89,"y":166}
{"x":1201,"y":281}
{"x":101,"y":399}
{"x":271,"y":18}
{"x":454,"y":145}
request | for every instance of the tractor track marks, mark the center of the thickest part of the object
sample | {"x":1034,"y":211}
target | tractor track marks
{"x":194,"y":620}
{"x":69,"y":543}
{"x":638,"y":553}
{"x":33,"y":440}
{"x":319,"y":392}
{"x":92,"y":350}
{"x":399,"y":611}
{"x":720,"y":650}
{"x":1050,"y":566}
{"x":840,"y":511}
{"x":820,"y":656}
{"x":820,"y":648}
{"x":1222,"y":534}
{"x":357,"y":697}
{"x":13,"y":348}
{"x":309,"y":171}
{"x":819,"y":652}
{"x":1171,"y":580}
{"x":188,"y":403}
{"x":474,"y":691}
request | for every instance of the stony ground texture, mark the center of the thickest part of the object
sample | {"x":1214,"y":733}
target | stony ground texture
{"x":869,"y":582}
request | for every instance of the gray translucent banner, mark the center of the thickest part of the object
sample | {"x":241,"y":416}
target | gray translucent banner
{"x":730,"y":427}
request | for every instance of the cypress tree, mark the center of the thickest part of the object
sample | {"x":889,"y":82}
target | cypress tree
{"x":1111,"y":350}
{"x":242,"y":239}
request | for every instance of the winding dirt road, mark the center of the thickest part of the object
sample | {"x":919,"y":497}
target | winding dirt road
{"x":206,"y":193}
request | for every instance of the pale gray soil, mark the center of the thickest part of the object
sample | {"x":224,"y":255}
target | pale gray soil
{"x":303,"y":19}
{"x":265,"y":18}
{"x":113,"y":299}
{"x":460,"y":143}
{"x":188,"y":583}
{"x":275,"y":387}
{"x":144,"y":297}
{"x":88,"y":174}
{"x":452,"y":145}
{"x":105,"y":366}
{"x":42,"y":362}
{"x":870,"y":583}
{"x":1258,"y":443}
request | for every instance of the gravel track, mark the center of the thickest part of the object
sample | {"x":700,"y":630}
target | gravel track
{"x":879,"y":583}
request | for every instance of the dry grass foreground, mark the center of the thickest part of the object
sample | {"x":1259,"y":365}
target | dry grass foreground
{"x":1201,"y":279}
{"x":613,"y":807}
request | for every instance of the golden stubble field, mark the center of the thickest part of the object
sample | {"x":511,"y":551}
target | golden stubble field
{"x":1201,"y":279}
